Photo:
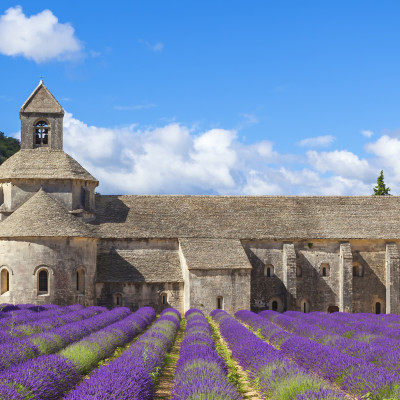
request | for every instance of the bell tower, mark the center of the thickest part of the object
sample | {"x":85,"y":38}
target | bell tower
{"x":41,"y":120}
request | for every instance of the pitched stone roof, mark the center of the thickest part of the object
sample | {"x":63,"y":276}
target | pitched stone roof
{"x":43,"y":163}
{"x":139,"y":265}
{"x":42,"y":101}
{"x":214,"y":254}
{"x":43,"y":216}
{"x":241,"y":217}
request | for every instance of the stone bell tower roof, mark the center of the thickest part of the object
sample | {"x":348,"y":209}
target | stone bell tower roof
{"x":28,"y":220}
{"x":43,"y":164}
{"x":41,"y":101}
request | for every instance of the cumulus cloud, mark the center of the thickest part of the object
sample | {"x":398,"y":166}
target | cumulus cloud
{"x":176,"y":159}
{"x":341,"y":162}
{"x":39,"y":37}
{"x":319,"y":141}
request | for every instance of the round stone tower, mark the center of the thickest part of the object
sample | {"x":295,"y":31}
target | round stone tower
{"x":47,"y":248}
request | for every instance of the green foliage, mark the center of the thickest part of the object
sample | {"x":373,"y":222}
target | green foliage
{"x":380,"y":189}
{"x":8,"y":146}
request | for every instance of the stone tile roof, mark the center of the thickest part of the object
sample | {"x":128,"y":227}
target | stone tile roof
{"x":43,"y":216}
{"x":42,"y":101}
{"x":139,"y":265}
{"x":43,"y":163}
{"x":241,"y":217}
{"x":214,"y":254}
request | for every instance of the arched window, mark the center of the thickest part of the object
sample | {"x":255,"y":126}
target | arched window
{"x":325,"y":270}
{"x":41,"y":133}
{"x":164,"y":298}
{"x":118,"y":300}
{"x":274,"y":305}
{"x":299,"y":271}
{"x":220,"y":302}
{"x":333,"y":309}
{"x":5,"y":280}
{"x":80,"y":280}
{"x":43,"y":281}
{"x":269,"y":270}
{"x":378,"y":307}
{"x":305,"y":306}
{"x":358,"y":269}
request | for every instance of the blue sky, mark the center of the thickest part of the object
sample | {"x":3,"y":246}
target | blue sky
{"x":214,"y":97}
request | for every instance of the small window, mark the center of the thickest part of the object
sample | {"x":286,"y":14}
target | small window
{"x":41,"y":133}
{"x":43,"y":283}
{"x":378,"y":307}
{"x":274,"y":305}
{"x":80,"y":280}
{"x":118,"y":300}
{"x":358,"y":269}
{"x":85,"y":198}
{"x":305,"y":306}
{"x":325,"y":270}
{"x":220,"y":302}
{"x":269,"y":271}
{"x":5,"y":281}
{"x":164,"y":299}
{"x":299,"y":271}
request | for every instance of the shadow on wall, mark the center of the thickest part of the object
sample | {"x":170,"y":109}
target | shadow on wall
{"x":267,"y":289}
{"x":316,"y":286}
{"x":113,"y":271}
{"x":367,"y":287}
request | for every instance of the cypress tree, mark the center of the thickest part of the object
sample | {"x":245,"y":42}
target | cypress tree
{"x":380,"y":189}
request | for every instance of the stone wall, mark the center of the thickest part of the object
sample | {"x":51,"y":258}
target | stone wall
{"x":232,"y":286}
{"x":339,"y":289}
{"x":55,"y":122}
{"x":68,"y":192}
{"x":136,"y":295}
{"x":61,"y":257}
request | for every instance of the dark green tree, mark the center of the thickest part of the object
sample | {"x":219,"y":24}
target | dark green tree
{"x":380,"y":189}
{"x":8,"y":146}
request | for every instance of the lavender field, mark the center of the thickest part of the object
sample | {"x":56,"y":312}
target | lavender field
{"x":52,"y":352}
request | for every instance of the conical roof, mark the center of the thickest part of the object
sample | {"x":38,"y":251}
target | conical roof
{"x":43,"y":163}
{"x":43,"y":216}
{"x":41,"y":101}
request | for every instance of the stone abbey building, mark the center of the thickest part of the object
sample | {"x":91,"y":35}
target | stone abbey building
{"x":62,"y":243}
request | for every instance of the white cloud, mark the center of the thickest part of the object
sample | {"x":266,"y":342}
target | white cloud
{"x":156,"y":47}
{"x":387,"y":150}
{"x":180,"y":160}
{"x":367,"y":134}
{"x":39,"y":37}
{"x":319,"y":141}
{"x":341,"y":162}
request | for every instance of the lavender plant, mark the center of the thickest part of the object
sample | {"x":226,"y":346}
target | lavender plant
{"x":274,"y":375}
{"x":49,"y":377}
{"x":131,"y":375}
{"x":200,"y":371}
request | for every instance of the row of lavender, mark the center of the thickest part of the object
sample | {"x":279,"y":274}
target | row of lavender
{"x":200,"y":371}
{"x":49,"y":377}
{"x":353,"y":374}
{"x":131,"y":376}
{"x":376,"y":349}
{"x":275,"y":375}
